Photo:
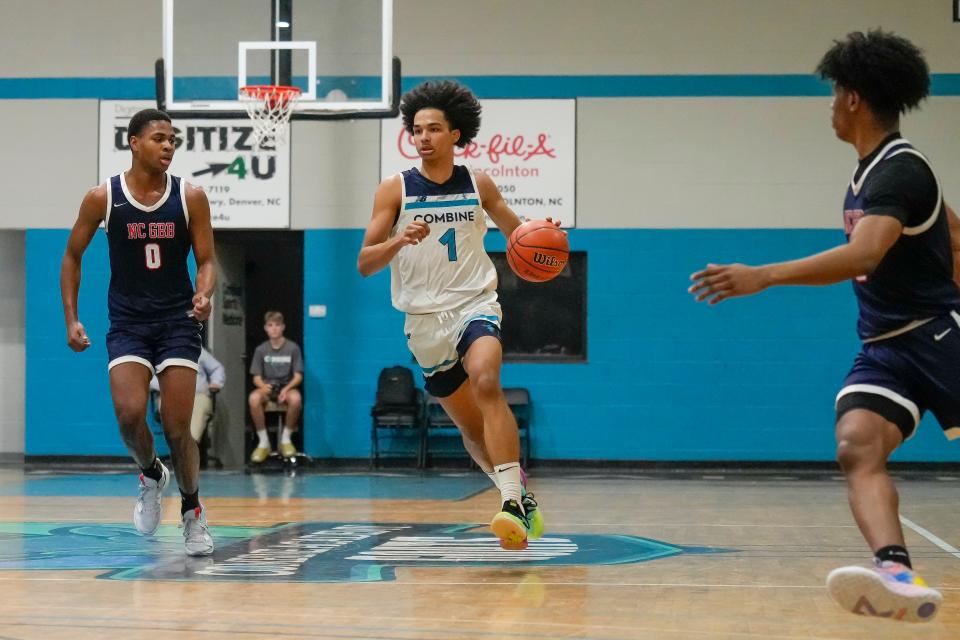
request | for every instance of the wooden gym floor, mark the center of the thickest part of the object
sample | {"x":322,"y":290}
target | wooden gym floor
{"x":406,"y":556}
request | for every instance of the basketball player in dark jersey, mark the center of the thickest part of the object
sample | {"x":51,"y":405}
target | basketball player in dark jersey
{"x":152,"y":220}
{"x":902,"y":252}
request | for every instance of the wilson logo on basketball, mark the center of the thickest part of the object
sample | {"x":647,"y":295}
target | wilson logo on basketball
{"x":548,"y":261}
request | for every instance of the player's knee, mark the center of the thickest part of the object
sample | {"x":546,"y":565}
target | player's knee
{"x":129,"y":416}
{"x":294,"y":399}
{"x":848,"y":454}
{"x":177,"y":438}
{"x":255,"y":399}
{"x":856,"y":447}
{"x":486,"y":385}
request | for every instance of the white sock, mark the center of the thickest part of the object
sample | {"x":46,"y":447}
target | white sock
{"x":508,"y":476}
{"x":493,"y":478}
{"x":264,"y":439}
{"x":285,"y":436}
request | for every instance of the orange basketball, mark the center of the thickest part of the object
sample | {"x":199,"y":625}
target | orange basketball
{"x":537,"y":251}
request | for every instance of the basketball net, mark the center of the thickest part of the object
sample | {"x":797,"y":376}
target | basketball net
{"x":269,"y":108}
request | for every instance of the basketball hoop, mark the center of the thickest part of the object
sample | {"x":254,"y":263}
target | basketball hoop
{"x":269,"y":108}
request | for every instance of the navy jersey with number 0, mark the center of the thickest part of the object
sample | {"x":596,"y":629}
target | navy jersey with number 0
{"x":914,"y":280}
{"x":149,"y":246}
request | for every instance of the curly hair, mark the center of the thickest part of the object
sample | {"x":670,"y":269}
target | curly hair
{"x":888,"y":71}
{"x":458,"y":104}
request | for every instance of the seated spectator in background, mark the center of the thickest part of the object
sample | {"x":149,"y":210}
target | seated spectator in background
{"x":210,"y":378}
{"x":277,"y":369}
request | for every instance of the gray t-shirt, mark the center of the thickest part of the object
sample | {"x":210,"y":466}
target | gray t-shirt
{"x":277,"y":366}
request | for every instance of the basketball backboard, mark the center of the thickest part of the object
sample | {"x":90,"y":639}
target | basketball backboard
{"x":339,"y":53}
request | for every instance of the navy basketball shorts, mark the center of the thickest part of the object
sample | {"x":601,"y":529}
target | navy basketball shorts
{"x":439,"y":340}
{"x":902,"y":377}
{"x":155,"y":345}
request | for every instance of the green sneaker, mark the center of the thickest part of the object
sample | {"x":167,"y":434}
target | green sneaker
{"x":531,"y":508}
{"x":534,"y":515}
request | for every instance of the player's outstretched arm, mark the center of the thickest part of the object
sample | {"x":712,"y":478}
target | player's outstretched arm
{"x":954,"y":240}
{"x":92,"y":211}
{"x":201,"y":236}
{"x":378,"y":247}
{"x":870,"y":241}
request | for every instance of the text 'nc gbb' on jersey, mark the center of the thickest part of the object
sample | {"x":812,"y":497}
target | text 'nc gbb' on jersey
{"x":450,"y":266}
{"x":149,"y":246}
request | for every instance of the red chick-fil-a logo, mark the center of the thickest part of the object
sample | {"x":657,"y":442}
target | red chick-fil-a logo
{"x":495,"y":148}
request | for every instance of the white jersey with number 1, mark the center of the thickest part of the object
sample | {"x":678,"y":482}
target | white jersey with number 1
{"x":450,"y":266}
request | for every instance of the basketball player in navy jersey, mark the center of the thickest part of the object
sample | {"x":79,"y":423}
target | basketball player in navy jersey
{"x":428,"y":224}
{"x":902,"y":255}
{"x":152,"y":220}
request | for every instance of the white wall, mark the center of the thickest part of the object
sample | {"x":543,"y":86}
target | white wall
{"x":335,"y":168}
{"x":728,"y":162}
{"x":504,"y":36}
{"x":654,"y":36}
{"x":731,"y":162}
{"x":12,"y":345}
{"x":71,"y":38}
{"x":49,"y":161}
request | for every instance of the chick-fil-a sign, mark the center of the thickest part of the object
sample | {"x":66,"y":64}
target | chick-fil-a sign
{"x":528,"y":147}
{"x":497,"y":148}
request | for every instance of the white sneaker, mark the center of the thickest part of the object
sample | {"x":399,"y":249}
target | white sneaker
{"x":147,"y":512}
{"x":196,"y":536}
{"x":889,"y":590}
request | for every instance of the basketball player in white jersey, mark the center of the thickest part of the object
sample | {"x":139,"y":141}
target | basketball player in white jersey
{"x":428,"y":224}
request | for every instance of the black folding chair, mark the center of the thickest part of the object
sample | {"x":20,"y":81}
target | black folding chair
{"x":439,"y":423}
{"x":394,"y":419}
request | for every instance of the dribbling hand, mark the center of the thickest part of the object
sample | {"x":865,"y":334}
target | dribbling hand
{"x":556,"y":223}
{"x":201,"y":307}
{"x":415,"y":232}
{"x":77,"y":338}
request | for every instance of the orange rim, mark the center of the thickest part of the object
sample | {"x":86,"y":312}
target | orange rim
{"x":264,"y":90}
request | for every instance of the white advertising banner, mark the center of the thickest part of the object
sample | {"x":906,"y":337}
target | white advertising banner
{"x":528,"y":148}
{"x":248,"y":186}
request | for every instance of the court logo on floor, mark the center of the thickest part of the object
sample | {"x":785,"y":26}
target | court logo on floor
{"x":307,"y":551}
